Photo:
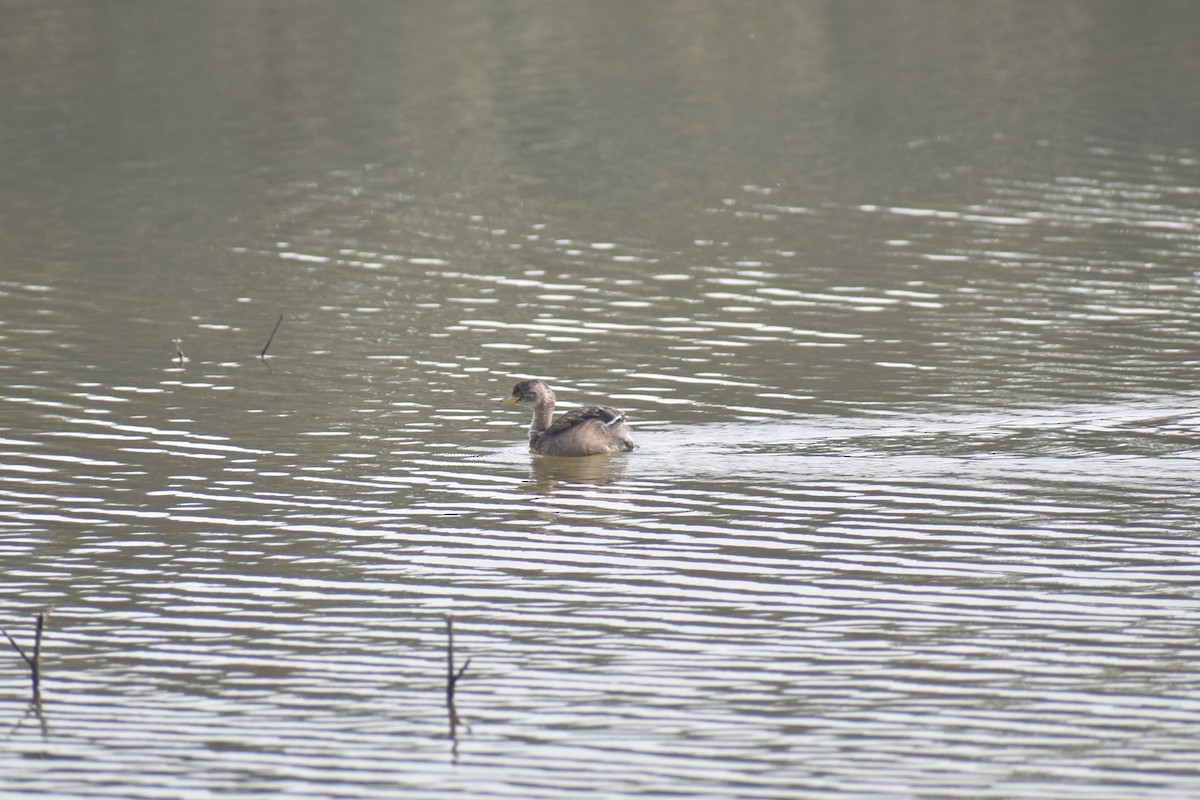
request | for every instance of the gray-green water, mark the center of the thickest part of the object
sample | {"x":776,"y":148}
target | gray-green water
{"x":901,"y":299}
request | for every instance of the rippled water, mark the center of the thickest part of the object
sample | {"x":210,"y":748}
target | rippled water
{"x":903,"y":309}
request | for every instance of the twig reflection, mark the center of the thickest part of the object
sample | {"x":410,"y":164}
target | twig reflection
{"x":34,"y":709}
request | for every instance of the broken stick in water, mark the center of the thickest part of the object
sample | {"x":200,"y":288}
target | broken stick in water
{"x":178,"y":349}
{"x":34,"y":663}
{"x":452,"y":676}
{"x":271,"y":338}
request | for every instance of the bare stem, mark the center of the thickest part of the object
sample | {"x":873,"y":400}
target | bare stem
{"x":35,"y":667}
{"x":271,"y":338}
{"x":17,"y":647}
{"x":451,"y":679}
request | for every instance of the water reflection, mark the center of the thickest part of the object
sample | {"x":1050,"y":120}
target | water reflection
{"x":34,"y":713}
{"x":548,"y":472}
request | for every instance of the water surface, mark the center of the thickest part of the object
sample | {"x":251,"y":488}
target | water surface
{"x":900,"y":298}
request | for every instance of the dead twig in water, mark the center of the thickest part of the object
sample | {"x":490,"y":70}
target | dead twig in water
{"x":178,"y":349}
{"x":453,"y":676}
{"x":271,"y":338}
{"x":35,"y":662}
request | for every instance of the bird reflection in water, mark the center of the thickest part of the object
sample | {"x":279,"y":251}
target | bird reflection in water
{"x":549,"y":472}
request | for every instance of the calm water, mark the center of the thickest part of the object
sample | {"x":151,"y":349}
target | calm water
{"x":902,"y":300}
